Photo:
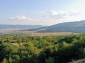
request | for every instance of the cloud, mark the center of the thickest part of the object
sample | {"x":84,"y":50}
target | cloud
{"x":54,"y":17}
{"x":50,"y":17}
{"x":62,"y":14}
{"x":58,"y":15}
{"x":53,"y":13}
{"x":20,"y":18}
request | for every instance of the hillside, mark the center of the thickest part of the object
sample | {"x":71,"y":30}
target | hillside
{"x":78,"y":26}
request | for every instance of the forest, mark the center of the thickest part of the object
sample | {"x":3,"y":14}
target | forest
{"x":18,"y":48}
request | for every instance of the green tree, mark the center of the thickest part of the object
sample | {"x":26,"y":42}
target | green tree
{"x":10,"y":59}
{"x":49,"y":60}
{"x":4,"y":60}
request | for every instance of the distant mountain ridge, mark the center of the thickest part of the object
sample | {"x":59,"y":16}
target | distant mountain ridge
{"x":3,"y":26}
{"x":77,"y":26}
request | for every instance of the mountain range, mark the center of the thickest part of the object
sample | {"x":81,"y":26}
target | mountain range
{"x":77,"y":26}
{"x":3,"y":26}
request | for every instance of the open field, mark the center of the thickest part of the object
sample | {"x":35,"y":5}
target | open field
{"x":51,"y":34}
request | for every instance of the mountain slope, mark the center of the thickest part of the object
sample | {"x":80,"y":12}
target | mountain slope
{"x":78,"y":26}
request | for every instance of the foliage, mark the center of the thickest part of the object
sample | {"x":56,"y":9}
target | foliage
{"x":37,"y":49}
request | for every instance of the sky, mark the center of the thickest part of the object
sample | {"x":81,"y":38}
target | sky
{"x":41,"y":12}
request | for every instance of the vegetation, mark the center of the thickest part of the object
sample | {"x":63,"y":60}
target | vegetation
{"x":41,"y":49}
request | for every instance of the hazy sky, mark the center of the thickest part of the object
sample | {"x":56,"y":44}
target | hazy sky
{"x":41,"y":12}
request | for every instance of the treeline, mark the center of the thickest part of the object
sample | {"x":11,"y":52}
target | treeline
{"x":36,"y":49}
